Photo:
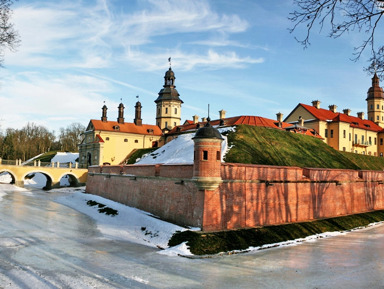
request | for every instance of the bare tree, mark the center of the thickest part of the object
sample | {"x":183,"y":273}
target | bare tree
{"x":71,"y":137}
{"x":9,"y":38}
{"x":341,"y":16}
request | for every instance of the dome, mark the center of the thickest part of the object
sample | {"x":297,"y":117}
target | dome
{"x":207,"y":131}
{"x":169,"y":74}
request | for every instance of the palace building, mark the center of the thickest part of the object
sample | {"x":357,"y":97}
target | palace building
{"x":345,"y":132}
{"x":112,"y":142}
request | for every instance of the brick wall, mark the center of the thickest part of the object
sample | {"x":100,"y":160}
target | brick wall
{"x":250,"y":195}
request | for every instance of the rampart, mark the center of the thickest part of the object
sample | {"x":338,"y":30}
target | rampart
{"x":249,"y":196}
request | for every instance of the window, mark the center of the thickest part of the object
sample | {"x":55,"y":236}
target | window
{"x":174,"y":124}
{"x":218,"y":155}
{"x":377,"y":117}
{"x":344,"y":149}
{"x":326,"y":133}
{"x":344,"y":134}
{"x":362,"y":139}
{"x":350,"y":136}
{"x":381,"y":141}
{"x":125,"y":140}
{"x":194,"y":155}
{"x":331,"y":133}
{"x":355,"y":138}
{"x":205,"y":155}
{"x":370,"y":140}
{"x":166,"y":110}
{"x":371,"y":106}
{"x":378,"y":106}
{"x":175,"y":110}
{"x":136,"y":141}
{"x":107,"y":138}
{"x":166,"y":124}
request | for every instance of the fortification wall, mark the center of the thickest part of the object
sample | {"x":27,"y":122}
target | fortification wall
{"x":150,"y":188}
{"x":250,"y":195}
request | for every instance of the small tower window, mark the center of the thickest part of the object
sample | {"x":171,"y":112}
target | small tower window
{"x":174,"y":124}
{"x":218,"y":156}
{"x":166,"y":110}
{"x":166,"y":124}
{"x":377,"y":117}
{"x":378,"y":106}
{"x":125,"y":140}
{"x":205,"y":155}
{"x":136,"y":141}
{"x":175,"y":110}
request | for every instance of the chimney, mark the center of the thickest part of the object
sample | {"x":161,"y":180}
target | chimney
{"x":203,"y":119}
{"x":360,"y":115}
{"x":195,"y":118}
{"x":138,"y":121}
{"x":279,"y":116}
{"x":222,"y":113}
{"x":316,"y":103}
{"x":333,"y":108}
{"x":301,"y":121}
{"x":104,"y":114}
{"x":347,"y":111}
{"x":120,"y":119}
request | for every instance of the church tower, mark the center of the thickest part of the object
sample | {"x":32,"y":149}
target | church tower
{"x":168,"y":104}
{"x":375,"y":102}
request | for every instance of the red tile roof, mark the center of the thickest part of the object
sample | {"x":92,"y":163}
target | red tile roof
{"x":327,"y":115}
{"x":243,"y":119}
{"x":145,"y":129}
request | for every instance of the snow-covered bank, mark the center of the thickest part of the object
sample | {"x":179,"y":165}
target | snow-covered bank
{"x":130,"y":224}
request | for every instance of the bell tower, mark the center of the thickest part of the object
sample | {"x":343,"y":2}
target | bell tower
{"x":375,"y":102}
{"x":168,"y":103}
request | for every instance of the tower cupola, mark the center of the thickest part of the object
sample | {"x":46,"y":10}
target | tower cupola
{"x":375,"y":102}
{"x":168,"y":103}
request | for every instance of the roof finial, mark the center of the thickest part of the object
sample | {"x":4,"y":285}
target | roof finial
{"x":208,"y":118}
{"x":375,"y":66}
{"x":169,"y":60}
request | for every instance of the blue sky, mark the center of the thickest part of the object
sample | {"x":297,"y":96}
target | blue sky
{"x":234,"y":55}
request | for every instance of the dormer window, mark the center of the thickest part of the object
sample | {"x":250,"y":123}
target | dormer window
{"x":116,"y":127}
{"x":150,"y":131}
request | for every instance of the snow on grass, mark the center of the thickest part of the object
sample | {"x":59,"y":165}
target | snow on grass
{"x":180,"y":150}
{"x":63,"y":157}
{"x":129,"y":224}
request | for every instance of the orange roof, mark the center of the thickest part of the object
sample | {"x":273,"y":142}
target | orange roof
{"x":327,"y":115}
{"x":243,"y":119}
{"x":145,"y":129}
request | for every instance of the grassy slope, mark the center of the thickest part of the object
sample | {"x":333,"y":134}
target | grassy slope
{"x":201,"y":243}
{"x":259,"y":145}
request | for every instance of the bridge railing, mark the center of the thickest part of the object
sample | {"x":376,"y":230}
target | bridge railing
{"x":39,"y":164}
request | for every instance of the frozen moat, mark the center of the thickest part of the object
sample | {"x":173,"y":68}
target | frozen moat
{"x":44,"y":244}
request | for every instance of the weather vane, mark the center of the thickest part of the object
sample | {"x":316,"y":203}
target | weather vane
{"x":169,"y":60}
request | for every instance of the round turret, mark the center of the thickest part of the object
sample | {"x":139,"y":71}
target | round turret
{"x":207,"y":157}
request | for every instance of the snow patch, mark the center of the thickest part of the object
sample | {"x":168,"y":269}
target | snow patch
{"x":180,"y":150}
{"x":63,"y":157}
{"x":130,"y":224}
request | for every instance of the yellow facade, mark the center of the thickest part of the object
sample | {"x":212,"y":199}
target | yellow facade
{"x":342,"y":135}
{"x":168,"y":114}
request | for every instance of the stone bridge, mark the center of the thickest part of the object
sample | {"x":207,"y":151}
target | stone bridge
{"x":18,"y":172}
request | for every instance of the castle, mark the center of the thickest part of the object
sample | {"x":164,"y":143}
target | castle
{"x":108,"y":142}
{"x":222,"y":196}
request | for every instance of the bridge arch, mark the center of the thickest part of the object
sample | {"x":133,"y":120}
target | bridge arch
{"x":12,"y":174}
{"x":72,"y":179}
{"x":50,"y":180}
